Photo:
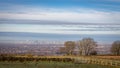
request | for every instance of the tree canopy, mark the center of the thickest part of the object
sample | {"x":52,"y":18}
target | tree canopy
{"x":86,"y":46}
{"x":115,"y":49}
{"x":68,"y":48}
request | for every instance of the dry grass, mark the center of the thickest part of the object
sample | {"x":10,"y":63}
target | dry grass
{"x":109,"y":57}
{"x":101,"y":60}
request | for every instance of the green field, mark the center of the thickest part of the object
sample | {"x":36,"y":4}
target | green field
{"x":51,"y":64}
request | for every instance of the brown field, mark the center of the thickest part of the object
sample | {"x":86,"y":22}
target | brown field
{"x":109,"y":57}
{"x":101,"y":60}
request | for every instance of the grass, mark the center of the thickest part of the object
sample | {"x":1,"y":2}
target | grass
{"x":51,"y":64}
{"x":59,"y":62}
{"x":109,"y":57}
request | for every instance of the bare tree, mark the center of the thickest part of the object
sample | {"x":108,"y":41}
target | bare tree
{"x":115,"y":49}
{"x":68,"y":48}
{"x":86,"y":46}
{"x":62,"y":50}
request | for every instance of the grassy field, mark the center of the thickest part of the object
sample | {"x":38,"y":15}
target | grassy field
{"x":109,"y":57}
{"x":46,"y":64}
{"x":59,"y":61}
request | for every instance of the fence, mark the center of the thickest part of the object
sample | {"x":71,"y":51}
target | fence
{"x":91,"y":60}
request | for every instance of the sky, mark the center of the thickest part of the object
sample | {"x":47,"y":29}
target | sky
{"x":87,"y":11}
{"x":93,"y":17}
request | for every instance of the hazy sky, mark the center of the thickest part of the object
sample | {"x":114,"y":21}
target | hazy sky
{"x":85,"y":11}
{"x":100,"y":19}
{"x":61,"y":29}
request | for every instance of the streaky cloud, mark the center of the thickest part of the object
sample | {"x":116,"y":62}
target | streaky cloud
{"x":67,"y":15}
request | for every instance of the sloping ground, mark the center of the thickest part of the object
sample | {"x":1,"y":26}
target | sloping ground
{"x":99,"y":60}
{"x":109,"y":57}
{"x":43,"y":64}
{"x":73,"y":59}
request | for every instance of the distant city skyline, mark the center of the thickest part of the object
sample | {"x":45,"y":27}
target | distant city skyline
{"x":41,"y":27}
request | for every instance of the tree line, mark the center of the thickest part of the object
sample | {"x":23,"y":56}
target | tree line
{"x":87,"y":46}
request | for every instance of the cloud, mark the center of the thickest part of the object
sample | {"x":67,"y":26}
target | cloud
{"x":61,"y":29}
{"x":89,"y":17}
{"x":73,"y":14}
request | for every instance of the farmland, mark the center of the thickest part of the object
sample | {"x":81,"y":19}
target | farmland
{"x":109,"y":57}
{"x":59,"y":61}
{"x":51,"y":64}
